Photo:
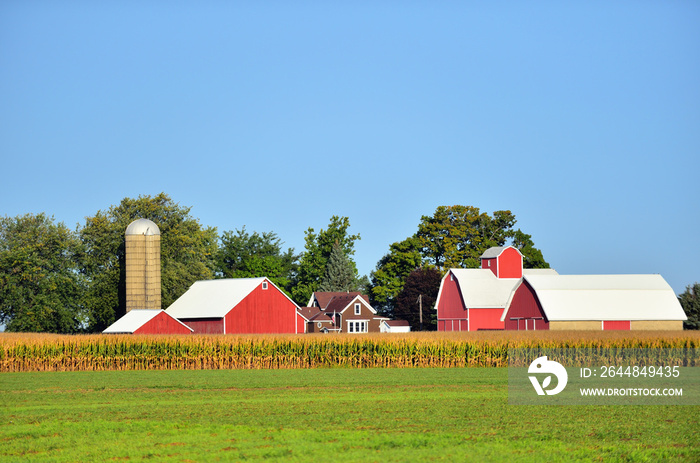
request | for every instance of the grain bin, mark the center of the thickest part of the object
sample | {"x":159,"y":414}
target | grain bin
{"x":142,"y":265}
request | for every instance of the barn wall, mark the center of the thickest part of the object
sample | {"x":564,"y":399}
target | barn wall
{"x":616,"y":325}
{"x":162,"y":324}
{"x":205,"y":325}
{"x":670,"y":325}
{"x":525,"y":305}
{"x":490,"y":264}
{"x":301,"y":324}
{"x":586,"y":325}
{"x":453,"y":325}
{"x":510,"y":264}
{"x":450,"y":305}
{"x":485,"y":319}
{"x":263,"y":311}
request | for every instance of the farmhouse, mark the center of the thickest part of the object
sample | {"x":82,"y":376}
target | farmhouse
{"x":237,"y":305}
{"x":341,"y":312}
{"x":502,"y":295}
{"x":144,"y":321}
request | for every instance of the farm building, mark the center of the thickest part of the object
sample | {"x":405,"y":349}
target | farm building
{"x":237,"y":305}
{"x":394,"y":326}
{"x":474,"y":299}
{"x":341,"y":312}
{"x":143,"y":321}
{"x":502,"y":295}
{"x":593,"y":302}
{"x":142,"y":249}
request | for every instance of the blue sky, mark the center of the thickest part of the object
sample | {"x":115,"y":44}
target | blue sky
{"x":582,"y":118}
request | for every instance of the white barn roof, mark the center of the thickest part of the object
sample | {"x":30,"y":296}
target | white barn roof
{"x":214,"y":298}
{"x":481,"y":289}
{"x":133,"y":320}
{"x":605,"y":297}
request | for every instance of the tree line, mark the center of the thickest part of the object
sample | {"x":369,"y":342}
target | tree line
{"x":54,"y":279}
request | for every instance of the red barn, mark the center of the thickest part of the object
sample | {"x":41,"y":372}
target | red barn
{"x":142,"y":321}
{"x":237,"y":305}
{"x":474,"y":299}
{"x":593,"y":302}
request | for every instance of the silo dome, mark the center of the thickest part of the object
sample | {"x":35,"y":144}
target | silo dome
{"x":142,"y":227}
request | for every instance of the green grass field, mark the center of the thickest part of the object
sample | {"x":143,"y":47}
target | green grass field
{"x":456,"y":414}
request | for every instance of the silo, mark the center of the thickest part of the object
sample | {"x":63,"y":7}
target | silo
{"x":142,"y":265}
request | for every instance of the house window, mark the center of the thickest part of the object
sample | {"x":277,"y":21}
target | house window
{"x":356,"y":326}
{"x":357,"y":309}
{"x":264,"y":285}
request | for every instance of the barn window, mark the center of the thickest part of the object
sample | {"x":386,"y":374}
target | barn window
{"x":264,"y":285}
{"x":357,"y":309}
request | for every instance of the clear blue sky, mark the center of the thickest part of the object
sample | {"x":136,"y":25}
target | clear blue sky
{"x":582,"y":118}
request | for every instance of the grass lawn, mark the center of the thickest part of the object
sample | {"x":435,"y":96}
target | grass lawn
{"x":320,"y":415}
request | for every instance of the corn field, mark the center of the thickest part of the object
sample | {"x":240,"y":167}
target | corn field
{"x":45,"y":352}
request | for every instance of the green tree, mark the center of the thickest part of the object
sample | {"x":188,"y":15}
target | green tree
{"x":245,"y":255}
{"x":388,"y":278}
{"x":420,"y":289}
{"x":456,"y":236}
{"x":188,"y":254}
{"x":532,"y":257}
{"x":314,"y":259}
{"x":340,"y":274}
{"x":40,"y":286}
{"x":690,"y":301}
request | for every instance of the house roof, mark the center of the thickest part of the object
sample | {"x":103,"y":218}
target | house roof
{"x":325,"y":297}
{"x":340,"y":303}
{"x":308,"y":312}
{"x":215,"y":298}
{"x":135,"y":319}
{"x":312,"y":314}
{"x":396,"y":322}
{"x":605,"y":297}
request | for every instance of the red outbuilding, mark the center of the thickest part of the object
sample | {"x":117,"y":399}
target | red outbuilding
{"x":142,"y":321}
{"x":237,"y":305}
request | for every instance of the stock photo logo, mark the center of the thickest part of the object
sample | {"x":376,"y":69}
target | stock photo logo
{"x":543,"y":366}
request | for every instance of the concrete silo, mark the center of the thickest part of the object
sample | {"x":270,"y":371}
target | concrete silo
{"x":142,"y":265}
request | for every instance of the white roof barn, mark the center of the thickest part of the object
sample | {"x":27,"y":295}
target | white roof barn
{"x":213,"y":298}
{"x":480,"y":288}
{"x":604,"y":297}
{"x":144,"y":321}
{"x":237,"y":305}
